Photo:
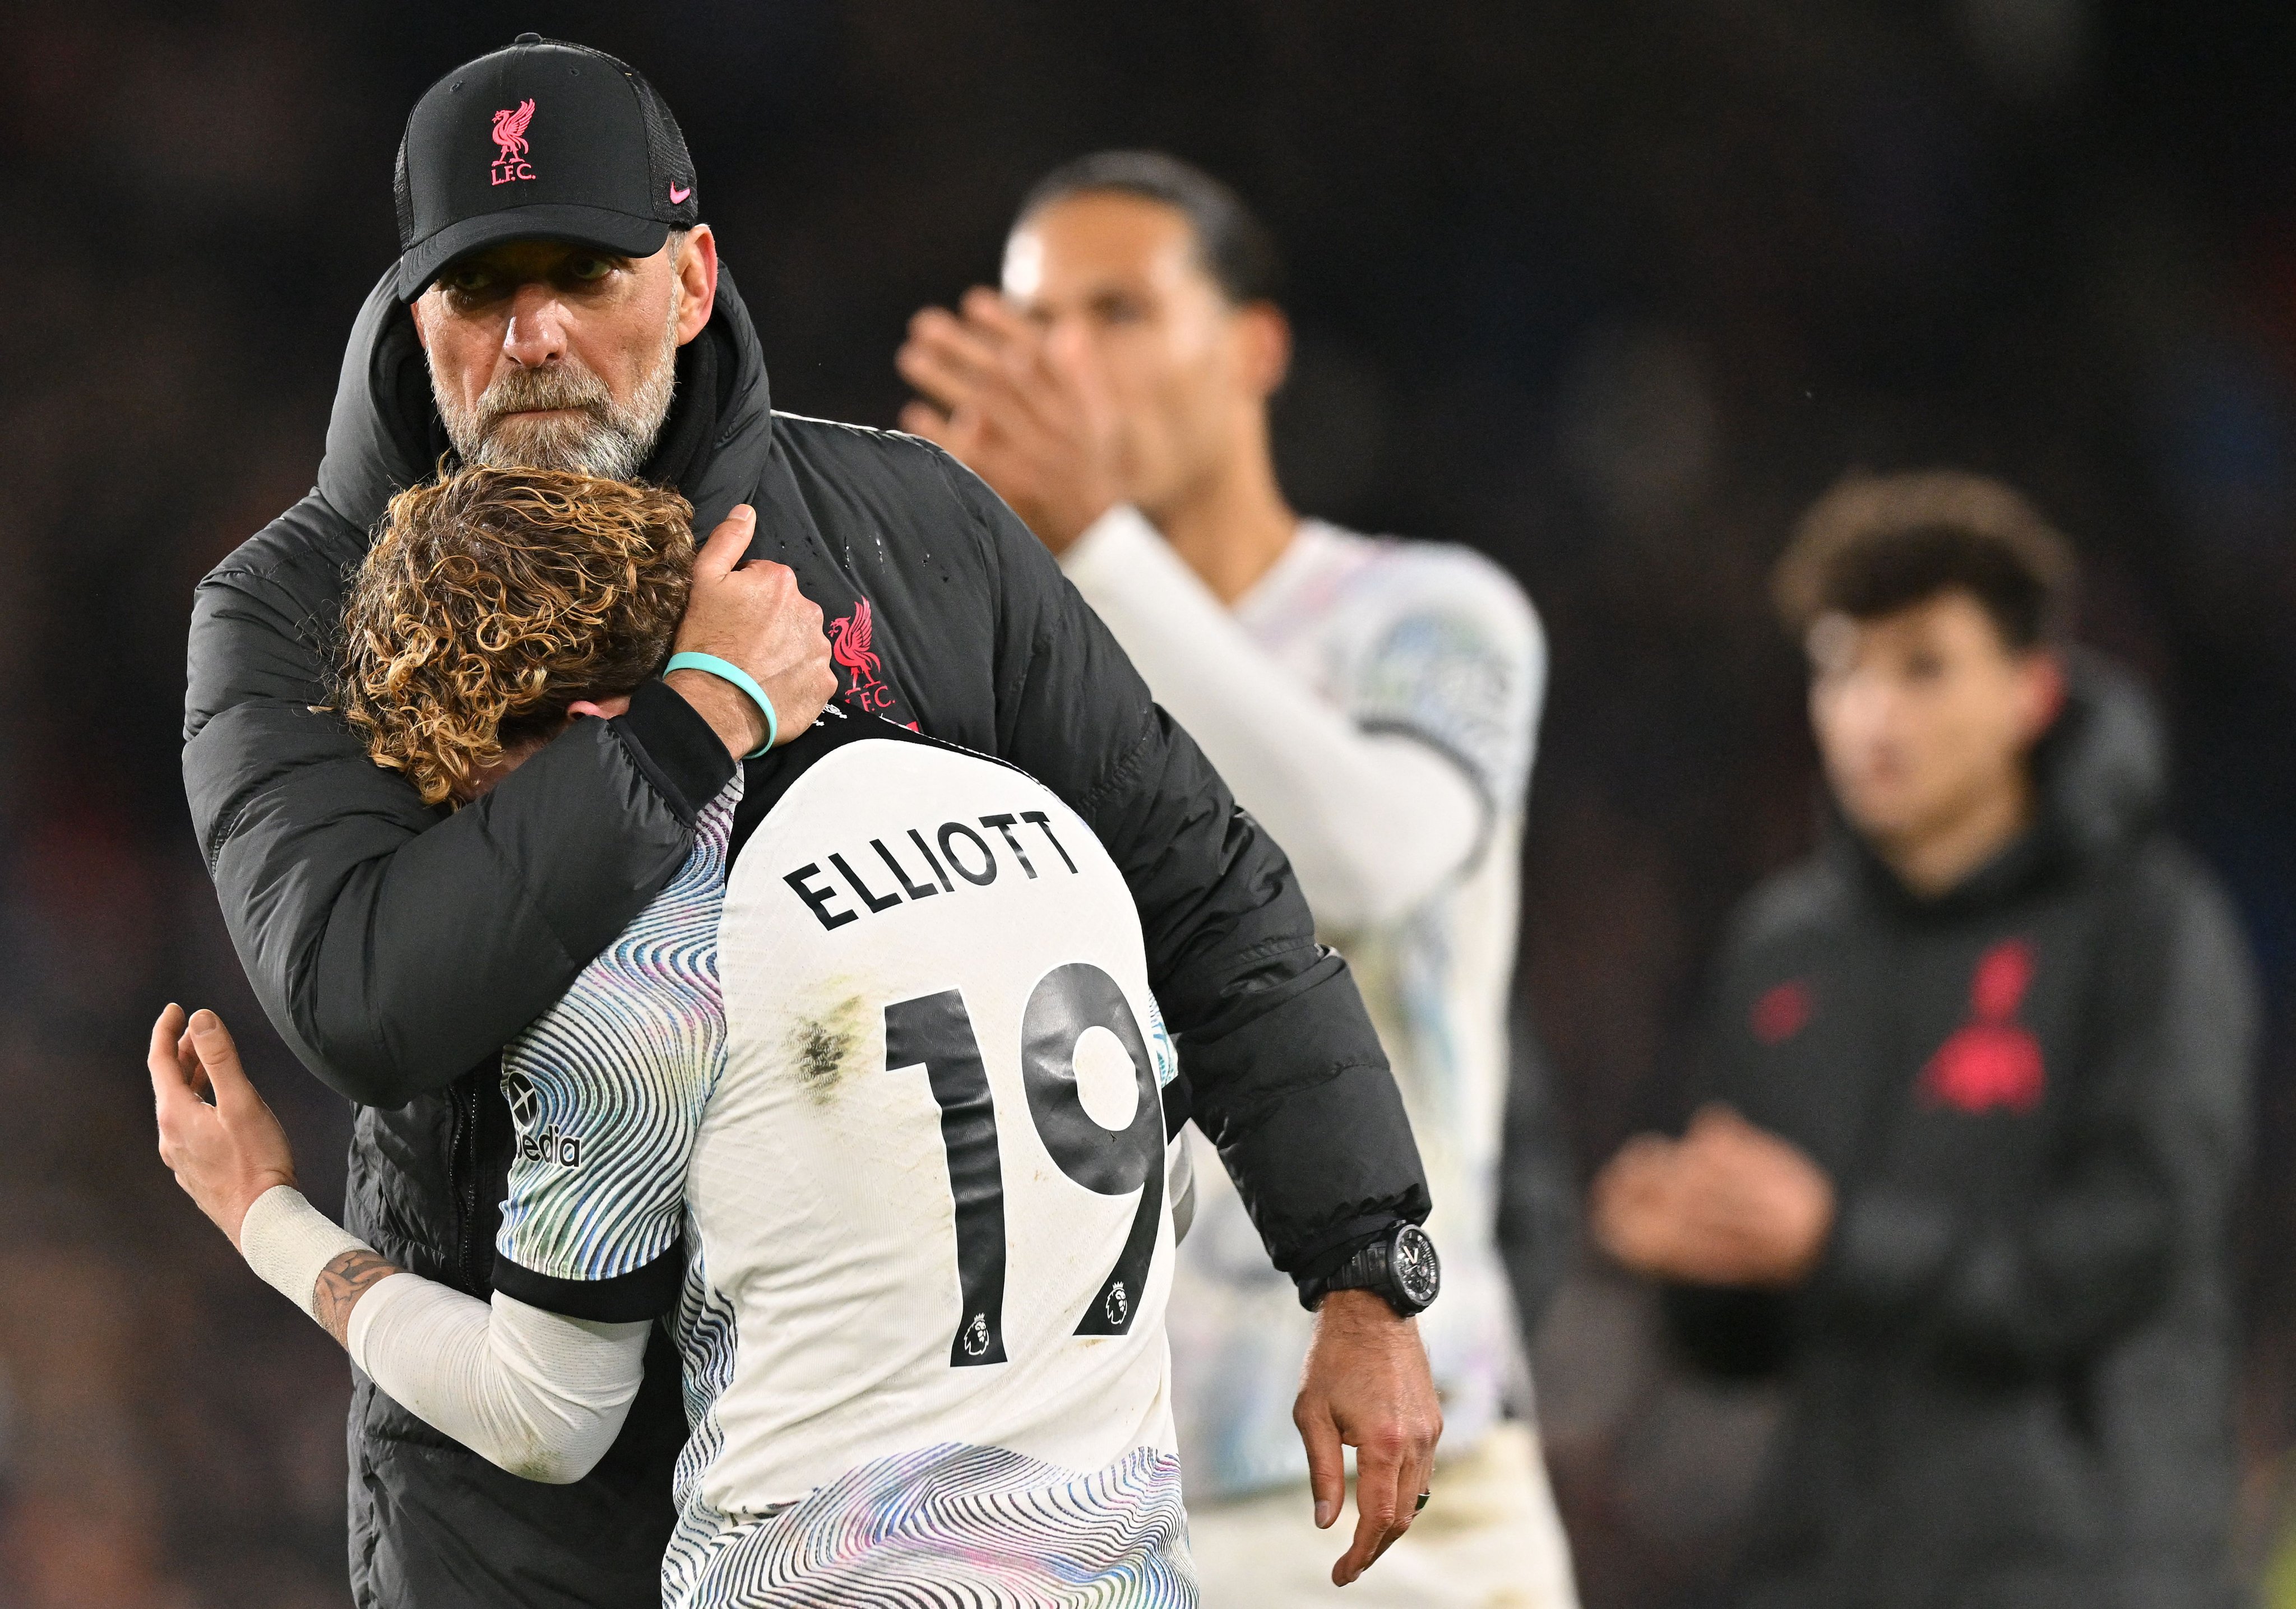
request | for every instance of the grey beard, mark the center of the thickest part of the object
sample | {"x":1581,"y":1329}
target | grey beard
{"x":602,"y":436}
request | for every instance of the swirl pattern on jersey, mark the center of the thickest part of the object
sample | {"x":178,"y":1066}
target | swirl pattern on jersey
{"x":956,"y":1525}
{"x":953,"y":1524}
{"x":708,"y":1339}
{"x":608,"y":1087}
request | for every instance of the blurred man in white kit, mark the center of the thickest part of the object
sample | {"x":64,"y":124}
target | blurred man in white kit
{"x":1375,"y":703}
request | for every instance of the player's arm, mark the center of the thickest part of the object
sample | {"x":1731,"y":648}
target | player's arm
{"x":1285,"y":1072}
{"x":1378,"y":806}
{"x":540,"y":1394}
{"x":1287,"y":1075}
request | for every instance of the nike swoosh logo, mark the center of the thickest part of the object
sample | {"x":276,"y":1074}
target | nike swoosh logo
{"x":677,"y":197}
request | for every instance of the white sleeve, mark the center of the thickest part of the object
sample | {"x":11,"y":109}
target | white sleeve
{"x":542,"y":1395}
{"x":1373,"y":822}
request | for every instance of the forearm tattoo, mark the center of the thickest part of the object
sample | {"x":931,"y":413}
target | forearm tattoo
{"x":342,"y":1283}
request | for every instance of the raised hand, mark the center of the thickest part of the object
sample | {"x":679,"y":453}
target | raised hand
{"x":225,"y":1155}
{"x":1017,"y":409}
{"x":753,"y":616}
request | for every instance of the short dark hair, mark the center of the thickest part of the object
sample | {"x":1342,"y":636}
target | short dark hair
{"x":1878,"y":543}
{"x":1236,"y":248}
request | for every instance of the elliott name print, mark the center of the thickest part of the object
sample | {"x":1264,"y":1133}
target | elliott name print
{"x":961,"y":849}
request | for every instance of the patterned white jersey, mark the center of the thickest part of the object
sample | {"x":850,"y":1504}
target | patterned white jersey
{"x":870,"y":1102}
{"x":1438,"y":643}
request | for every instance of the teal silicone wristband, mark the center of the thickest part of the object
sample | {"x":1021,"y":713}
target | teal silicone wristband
{"x":727,"y":671}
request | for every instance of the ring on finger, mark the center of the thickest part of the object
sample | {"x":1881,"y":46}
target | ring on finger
{"x":1422,"y":1503}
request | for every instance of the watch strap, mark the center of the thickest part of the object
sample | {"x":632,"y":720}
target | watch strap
{"x":1362,"y":1269}
{"x":1372,"y":1266}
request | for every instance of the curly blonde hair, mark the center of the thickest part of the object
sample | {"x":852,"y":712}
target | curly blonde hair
{"x":493,"y":599}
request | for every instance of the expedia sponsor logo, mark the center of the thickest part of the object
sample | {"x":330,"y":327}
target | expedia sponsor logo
{"x":537,"y":1141}
{"x":551,"y":1146}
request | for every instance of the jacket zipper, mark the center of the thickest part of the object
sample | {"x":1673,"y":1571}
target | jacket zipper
{"x":467,"y":1119}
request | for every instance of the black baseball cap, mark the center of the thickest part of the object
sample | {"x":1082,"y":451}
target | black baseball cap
{"x":542,"y":139}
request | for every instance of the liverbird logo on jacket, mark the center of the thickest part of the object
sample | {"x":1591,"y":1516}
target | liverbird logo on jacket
{"x":848,"y":645}
{"x":510,"y":142}
{"x":1992,"y":1060}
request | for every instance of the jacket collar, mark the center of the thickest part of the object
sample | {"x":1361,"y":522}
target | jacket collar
{"x":385,"y":435}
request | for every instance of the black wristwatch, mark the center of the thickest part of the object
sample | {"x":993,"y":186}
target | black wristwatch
{"x":1400,"y":1265}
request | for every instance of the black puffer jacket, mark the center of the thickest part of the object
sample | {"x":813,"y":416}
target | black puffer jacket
{"x":397,"y":948}
{"x":2010,"y":1383}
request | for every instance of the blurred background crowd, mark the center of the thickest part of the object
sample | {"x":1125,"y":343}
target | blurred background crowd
{"x":1606,"y":289}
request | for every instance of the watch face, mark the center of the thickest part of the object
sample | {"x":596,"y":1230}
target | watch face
{"x":1416,"y":1268}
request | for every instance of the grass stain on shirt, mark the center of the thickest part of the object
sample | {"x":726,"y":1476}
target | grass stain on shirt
{"x":822,"y":1046}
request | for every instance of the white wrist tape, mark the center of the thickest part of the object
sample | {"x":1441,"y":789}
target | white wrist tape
{"x":542,"y":1396}
{"x":289,"y":1243}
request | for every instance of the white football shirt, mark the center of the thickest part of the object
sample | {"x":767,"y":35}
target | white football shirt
{"x":870,"y":1100}
{"x":1436,"y":647}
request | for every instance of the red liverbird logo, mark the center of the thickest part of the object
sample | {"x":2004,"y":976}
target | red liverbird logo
{"x":510,"y":142}
{"x":848,"y":645}
{"x":1783,"y":1011}
{"x":1991,"y":1061}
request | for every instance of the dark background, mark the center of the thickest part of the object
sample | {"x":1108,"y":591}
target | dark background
{"x":1607,"y":289}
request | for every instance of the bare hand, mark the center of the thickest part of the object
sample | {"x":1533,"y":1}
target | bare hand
{"x":1636,"y":1208}
{"x":226,"y":1154}
{"x":1366,"y":1386}
{"x":753,"y":616}
{"x":1025,"y":416}
{"x":1728,"y":1204}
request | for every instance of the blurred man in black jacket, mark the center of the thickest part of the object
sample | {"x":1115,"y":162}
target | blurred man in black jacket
{"x":1974,"y":1106}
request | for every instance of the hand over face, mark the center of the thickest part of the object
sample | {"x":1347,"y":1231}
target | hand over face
{"x":226,"y":1154}
{"x":1366,"y":1386}
{"x":1728,"y":1204}
{"x":753,"y":616}
{"x":1020,"y":413}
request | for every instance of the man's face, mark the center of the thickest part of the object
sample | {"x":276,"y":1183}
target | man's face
{"x":557,"y":357}
{"x":1926,"y":714}
{"x":1117,"y":282}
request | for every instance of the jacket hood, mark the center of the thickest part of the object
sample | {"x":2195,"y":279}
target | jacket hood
{"x":2102,"y":772}
{"x":385,"y":435}
{"x":2104,"y":767}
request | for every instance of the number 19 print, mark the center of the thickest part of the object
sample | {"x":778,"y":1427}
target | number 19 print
{"x":935,"y":1031}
